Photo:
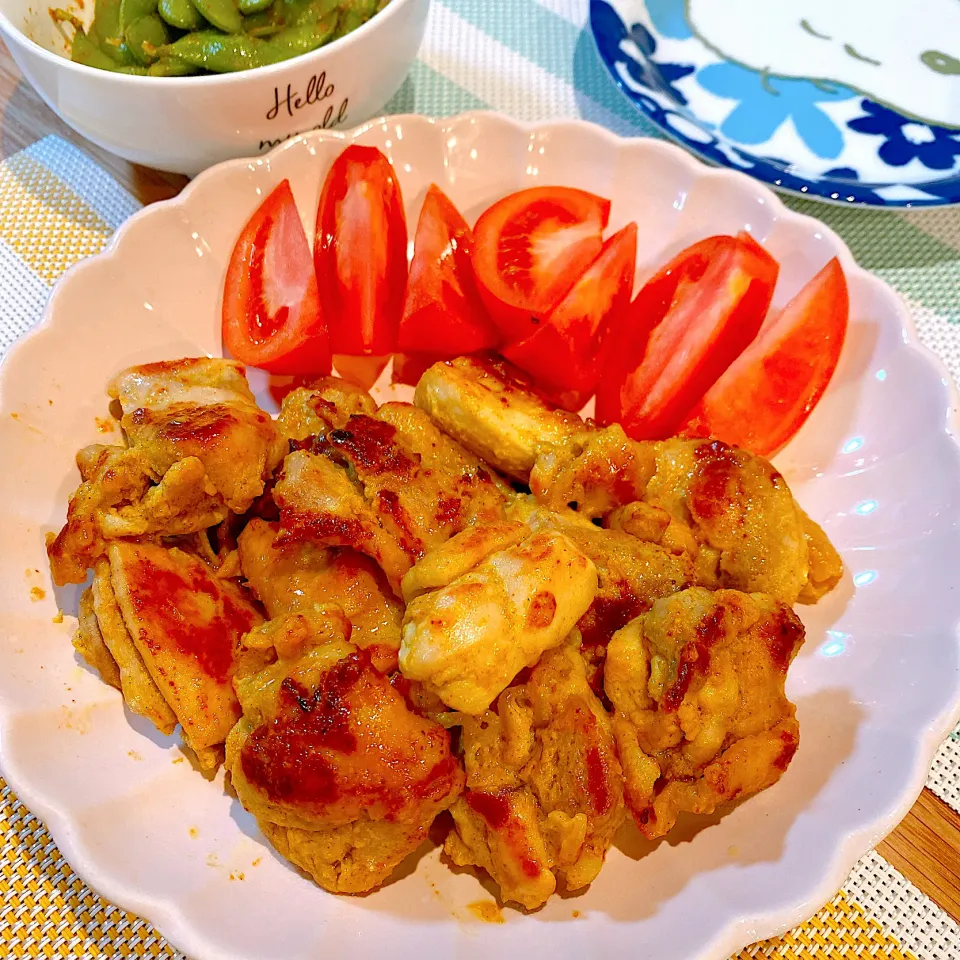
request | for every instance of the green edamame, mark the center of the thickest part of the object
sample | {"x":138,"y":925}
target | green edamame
{"x":180,"y":14}
{"x":348,"y":22}
{"x":106,"y":25}
{"x":179,"y":38}
{"x":171,"y":67}
{"x":86,"y":50}
{"x":221,"y":53}
{"x":313,"y":12}
{"x":133,"y":10}
{"x":253,"y":6}
{"x":306,"y":37}
{"x":145,"y":35}
{"x":362,"y":8}
{"x":223,"y":14}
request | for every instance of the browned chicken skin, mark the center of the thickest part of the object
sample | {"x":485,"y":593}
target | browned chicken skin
{"x":341,"y":775}
{"x":701,"y":714}
{"x":199,"y":447}
{"x":544,"y":791}
{"x":200,"y":408}
{"x":389,"y":485}
{"x":302,"y":576}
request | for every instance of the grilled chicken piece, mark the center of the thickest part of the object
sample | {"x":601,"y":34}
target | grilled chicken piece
{"x":184,"y":502}
{"x":199,"y":446}
{"x":320,"y":504}
{"x":200,"y":407}
{"x":466,"y":641}
{"x":487,"y":406}
{"x":325,"y":405}
{"x":301,"y":577}
{"x":343,"y":778}
{"x":111,"y":476}
{"x":701,"y":714}
{"x":89,"y":643}
{"x":116,"y":500}
{"x":544,"y":791}
{"x":825,"y":567}
{"x":631,"y":575}
{"x":750,"y":530}
{"x":389,"y":485}
{"x":185,"y":625}
{"x":140,"y":692}
{"x":595,"y":474}
{"x":730,"y":511}
{"x":459,"y":555}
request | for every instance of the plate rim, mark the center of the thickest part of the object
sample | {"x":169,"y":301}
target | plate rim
{"x":818,"y":191}
{"x":165,"y":915}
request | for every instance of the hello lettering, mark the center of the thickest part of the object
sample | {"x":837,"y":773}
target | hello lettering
{"x":289,"y":101}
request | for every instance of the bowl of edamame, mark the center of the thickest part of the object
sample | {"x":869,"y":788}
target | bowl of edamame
{"x":184,"y":84}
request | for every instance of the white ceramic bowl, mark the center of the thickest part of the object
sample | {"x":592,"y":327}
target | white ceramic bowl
{"x":877,"y":683}
{"x":189,"y":123}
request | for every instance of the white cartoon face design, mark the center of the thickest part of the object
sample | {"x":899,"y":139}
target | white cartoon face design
{"x":902,"y":53}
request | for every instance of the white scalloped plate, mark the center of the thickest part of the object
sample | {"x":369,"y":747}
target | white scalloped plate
{"x":877,"y":684}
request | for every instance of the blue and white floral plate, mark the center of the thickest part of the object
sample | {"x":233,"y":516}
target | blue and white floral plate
{"x":851,"y":101}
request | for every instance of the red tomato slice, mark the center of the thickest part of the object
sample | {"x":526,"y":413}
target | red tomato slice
{"x":408,"y":368}
{"x":530,"y":248}
{"x":363,"y":372}
{"x":768,"y":392}
{"x":686,"y":326}
{"x":564,"y":354}
{"x":443,"y":314}
{"x":271,"y":311}
{"x":360,"y":252}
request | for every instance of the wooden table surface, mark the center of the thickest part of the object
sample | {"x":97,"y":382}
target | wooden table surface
{"x":925,"y":848}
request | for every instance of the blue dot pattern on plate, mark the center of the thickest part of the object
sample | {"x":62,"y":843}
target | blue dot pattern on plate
{"x":818,"y":138}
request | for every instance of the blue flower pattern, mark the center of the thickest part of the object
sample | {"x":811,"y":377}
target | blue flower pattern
{"x":762,"y":105}
{"x":657,"y":76}
{"x":766,"y":103}
{"x":937,"y":148}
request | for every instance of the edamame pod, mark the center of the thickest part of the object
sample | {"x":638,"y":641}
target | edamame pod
{"x":223,"y":14}
{"x":181,"y":14}
{"x":171,"y":67}
{"x":223,"y":54}
{"x":253,"y":6}
{"x":133,"y":10}
{"x":144,"y":35}
{"x":363,"y":8}
{"x":348,"y":22}
{"x":307,"y":37}
{"x":313,"y":12}
{"x":106,"y":24}
{"x":87,"y":51}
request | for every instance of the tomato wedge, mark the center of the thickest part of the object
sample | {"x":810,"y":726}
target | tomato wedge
{"x":443,"y":314}
{"x":363,"y":372}
{"x":564,"y":353}
{"x":360,"y":252}
{"x":408,"y":368}
{"x":767,"y":393}
{"x":529,"y":250}
{"x":271,"y":314}
{"x":686,"y":326}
